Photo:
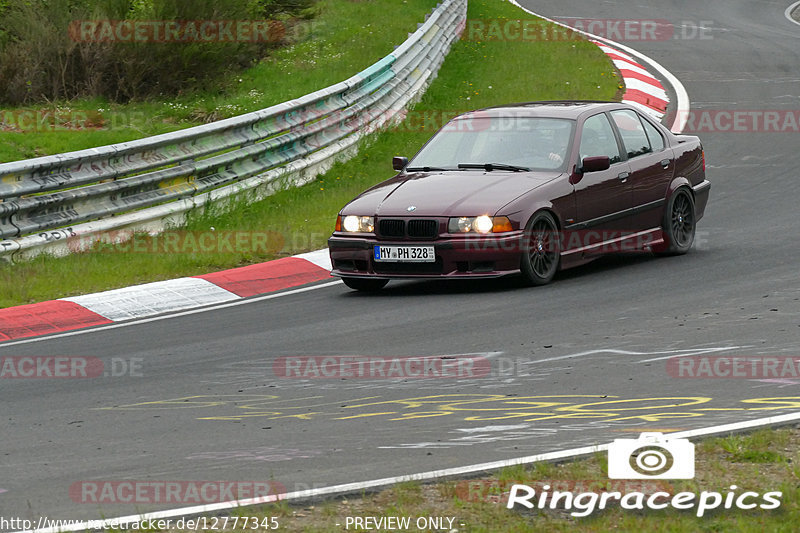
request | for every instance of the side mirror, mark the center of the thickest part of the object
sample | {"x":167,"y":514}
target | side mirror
{"x":595,"y":164}
{"x":399,"y":163}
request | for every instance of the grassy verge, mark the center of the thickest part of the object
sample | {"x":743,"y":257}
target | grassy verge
{"x":325,"y":50}
{"x":761,"y":462}
{"x":477,"y":73}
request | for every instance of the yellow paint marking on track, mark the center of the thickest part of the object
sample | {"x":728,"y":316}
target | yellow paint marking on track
{"x":657,"y":417}
{"x":272,"y":416}
{"x":692,"y":401}
{"x":366,"y":415}
{"x":467,"y":407}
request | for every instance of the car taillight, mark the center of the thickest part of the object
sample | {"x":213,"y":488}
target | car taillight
{"x":704,"y":160}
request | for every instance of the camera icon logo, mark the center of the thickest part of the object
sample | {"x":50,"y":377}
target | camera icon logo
{"x":651,"y":456}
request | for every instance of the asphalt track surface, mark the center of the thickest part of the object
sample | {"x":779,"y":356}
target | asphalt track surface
{"x":597,"y":334}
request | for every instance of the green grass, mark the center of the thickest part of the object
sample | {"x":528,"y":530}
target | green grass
{"x":480,"y":504}
{"x":475,"y":74}
{"x":327,"y":49}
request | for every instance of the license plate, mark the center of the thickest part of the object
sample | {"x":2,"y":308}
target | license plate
{"x":405,"y":254}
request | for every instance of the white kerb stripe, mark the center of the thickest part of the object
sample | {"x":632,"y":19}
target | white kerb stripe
{"x":652,"y":90}
{"x":609,"y":50}
{"x":153,"y":298}
{"x":321,"y":258}
{"x":624,"y":66}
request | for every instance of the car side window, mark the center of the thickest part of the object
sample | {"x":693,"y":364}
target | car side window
{"x":598,"y":139}
{"x":656,"y":139}
{"x":633,"y":136}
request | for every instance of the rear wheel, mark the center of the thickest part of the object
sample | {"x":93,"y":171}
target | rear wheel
{"x":541,"y":250}
{"x":679,"y":223}
{"x":366,"y":285}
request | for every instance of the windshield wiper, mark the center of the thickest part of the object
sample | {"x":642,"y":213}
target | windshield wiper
{"x":488,"y":167}
{"x":427,"y":169}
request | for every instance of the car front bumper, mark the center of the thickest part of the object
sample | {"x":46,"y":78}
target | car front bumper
{"x":485,"y":256}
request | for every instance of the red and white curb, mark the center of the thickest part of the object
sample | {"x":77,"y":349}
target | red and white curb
{"x":642,"y":89}
{"x":139,"y":301}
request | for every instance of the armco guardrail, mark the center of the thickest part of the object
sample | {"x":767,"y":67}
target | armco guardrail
{"x":60,"y":203}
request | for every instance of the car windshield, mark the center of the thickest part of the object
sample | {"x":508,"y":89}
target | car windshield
{"x":526,"y":142}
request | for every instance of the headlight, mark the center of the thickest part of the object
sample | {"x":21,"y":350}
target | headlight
{"x":356,"y":224}
{"x":483,"y":224}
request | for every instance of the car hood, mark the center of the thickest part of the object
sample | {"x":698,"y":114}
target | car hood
{"x":448,"y":193}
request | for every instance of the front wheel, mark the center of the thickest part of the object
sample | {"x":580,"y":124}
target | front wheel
{"x":541,"y":250}
{"x":679,"y":223}
{"x":364,"y":284}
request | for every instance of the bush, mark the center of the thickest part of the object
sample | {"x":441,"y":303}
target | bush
{"x":44,"y":58}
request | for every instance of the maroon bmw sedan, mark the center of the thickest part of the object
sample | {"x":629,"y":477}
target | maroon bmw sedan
{"x":525,"y":189}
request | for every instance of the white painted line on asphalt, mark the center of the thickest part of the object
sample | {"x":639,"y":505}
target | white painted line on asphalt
{"x":789,"y":11}
{"x":683,"y":104}
{"x":689,"y":353}
{"x":348,"y":488}
{"x":154,"y":298}
{"x":136,"y":322}
{"x":736,"y":426}
{"x":582,"y":354}
{"x":675,"y":353}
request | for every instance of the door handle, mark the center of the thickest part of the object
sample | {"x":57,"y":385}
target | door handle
{"x":665,"y":163}
{"x":624,"y":175}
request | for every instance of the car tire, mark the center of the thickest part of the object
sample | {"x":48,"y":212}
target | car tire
{"x":679,"y":223}
{"x":541,"y":250}
{"x":366,"y":285}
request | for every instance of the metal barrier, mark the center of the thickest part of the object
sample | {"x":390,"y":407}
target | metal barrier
{"x":61,"y":203}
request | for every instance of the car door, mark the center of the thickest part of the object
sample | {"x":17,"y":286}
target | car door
{"x":652,"y":167}
{"x":603,"y":198}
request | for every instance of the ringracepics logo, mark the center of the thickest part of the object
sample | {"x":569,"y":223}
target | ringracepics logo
{"x":653,"y":457}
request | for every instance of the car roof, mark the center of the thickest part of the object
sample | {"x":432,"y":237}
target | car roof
{"x":569,"y":109}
